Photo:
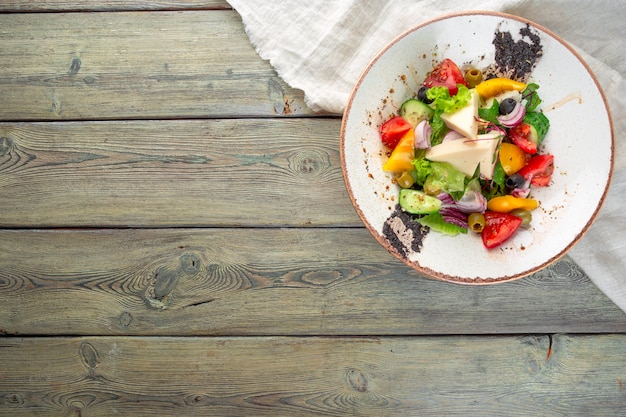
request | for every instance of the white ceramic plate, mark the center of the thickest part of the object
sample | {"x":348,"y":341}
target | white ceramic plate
{"x":580,"y":138}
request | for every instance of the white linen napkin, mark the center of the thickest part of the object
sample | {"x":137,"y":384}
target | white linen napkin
{"x":322,"y":46}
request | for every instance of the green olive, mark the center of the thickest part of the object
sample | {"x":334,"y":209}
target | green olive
{"x":405,"y":180}
{"x":473,"y":76}
{"x":476,"y":222}
{"x":525,"y":215}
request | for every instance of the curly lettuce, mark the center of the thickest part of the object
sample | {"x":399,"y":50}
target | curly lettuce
{"x":443,"y":102}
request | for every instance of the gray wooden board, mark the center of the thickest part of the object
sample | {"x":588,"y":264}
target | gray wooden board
{"x":267,"y":281}
{"x":224,"y":172}
{"x":129,"y":65}
{"x":561,"y":375}
{"x":109,"y":5}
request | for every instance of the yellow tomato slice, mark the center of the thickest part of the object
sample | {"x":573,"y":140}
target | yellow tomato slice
{"x":512,"y":158}
{"x":402,"y":156}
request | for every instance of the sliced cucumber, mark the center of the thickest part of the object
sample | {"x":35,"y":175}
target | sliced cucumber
{"x":414,"y":111}
{"x":533,"y":136}
{"x":438,"y":224}
{"x":539,"y":125}
{"x":418,"y":202}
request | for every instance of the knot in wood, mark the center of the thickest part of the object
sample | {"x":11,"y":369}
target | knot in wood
{"x":125,"y":319}
{"x":532,"y":365}
{"x":164,"y":283}
{"x":356,"y":380}
{"x":75,"y":66}
{"x":276,"y":94}
{"x":6,"y":146}
{"x":89,"y":356}
{"x":308,"y":162}
{"x":197,"y":399}
{"x":564,"y":268}
{"x":190,"y":263}
{"x":13,"y":399}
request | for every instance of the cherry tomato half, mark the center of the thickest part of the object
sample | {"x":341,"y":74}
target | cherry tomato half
{"x":446,"y":74}
{"x":521,"y":135}
{"x":393,"y":130}
{"x":539,"y":170}
{"x":499,"y":227}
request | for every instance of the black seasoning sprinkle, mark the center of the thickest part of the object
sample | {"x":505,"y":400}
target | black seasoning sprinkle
{"x":517,"y":59}
{"x":403,"y":233}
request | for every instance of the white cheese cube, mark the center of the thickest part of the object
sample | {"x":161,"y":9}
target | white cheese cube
{"x":488,"y":161}
{"x":465,"y":120}
{"x":462,"y":154}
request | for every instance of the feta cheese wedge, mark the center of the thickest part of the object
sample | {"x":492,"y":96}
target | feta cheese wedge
{"x":488,"y":161}
{"x":464,"y":155}
{"x":465,"y":120}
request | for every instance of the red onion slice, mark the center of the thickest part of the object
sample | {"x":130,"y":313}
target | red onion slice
{"x":514,"y":118}
{"x":452,"y":135}
{"x":472,"y":202}
{"x":423,"y":131}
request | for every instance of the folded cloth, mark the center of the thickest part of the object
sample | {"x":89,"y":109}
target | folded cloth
{"x":322,"y":46}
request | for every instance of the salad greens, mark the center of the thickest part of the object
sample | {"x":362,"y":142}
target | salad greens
{"x":444,"y":177}
{"x":532,"y":98}
{"x":443,"y":102}
{"x":476,"y":177}
{"x":437,"y":223}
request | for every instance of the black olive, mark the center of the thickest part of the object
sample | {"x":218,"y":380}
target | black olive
{"x":507,"y":105}
{"x":515,"y":181}
{"x":421,"y":95}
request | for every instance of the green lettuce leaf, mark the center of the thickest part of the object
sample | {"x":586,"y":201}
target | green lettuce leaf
{"x":439,"y":129}
{"x":490,"y":114}
{"x":532,"y":98}
{"x":496,"y":186}
{"x":422,"y":170}
{"x":444,"y":102}
{"x":444,"y":177}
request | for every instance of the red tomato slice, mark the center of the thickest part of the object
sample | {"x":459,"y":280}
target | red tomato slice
{"x":499,"y":227}
{"x":520,"y":135}
{"x":446,"y":74}
{"x":539,"y":170}
{"x":393,"y":130}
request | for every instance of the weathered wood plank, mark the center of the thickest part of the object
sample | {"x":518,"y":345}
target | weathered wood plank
{"x":562,"y":375}
{"x":267,"y":282}
{"x":14,"y":6}
{"x":196,"y":64}
{"x":252,"y":172}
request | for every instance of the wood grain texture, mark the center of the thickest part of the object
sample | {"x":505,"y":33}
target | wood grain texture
{"x":108,"y":5}
{"x":234,"y":282}
{"x":562,"y":375}
{"x":176,"y":240}
{"x":131,"y":65}
{"x":247,"y":172}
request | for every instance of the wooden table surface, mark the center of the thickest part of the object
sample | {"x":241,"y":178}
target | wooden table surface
{"x":176,"y":240}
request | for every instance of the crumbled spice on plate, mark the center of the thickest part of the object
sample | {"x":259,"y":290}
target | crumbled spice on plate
{"x":516,"y":59}
{"x":403,"y":233}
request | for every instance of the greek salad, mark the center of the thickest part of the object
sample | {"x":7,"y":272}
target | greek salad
{"x":466,"y":152}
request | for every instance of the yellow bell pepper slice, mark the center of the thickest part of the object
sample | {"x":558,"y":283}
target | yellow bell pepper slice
{"x":402,"y":155}
{"x":512,"y":158}
{"x":494,"y":86}
{"x":508,"y":203}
